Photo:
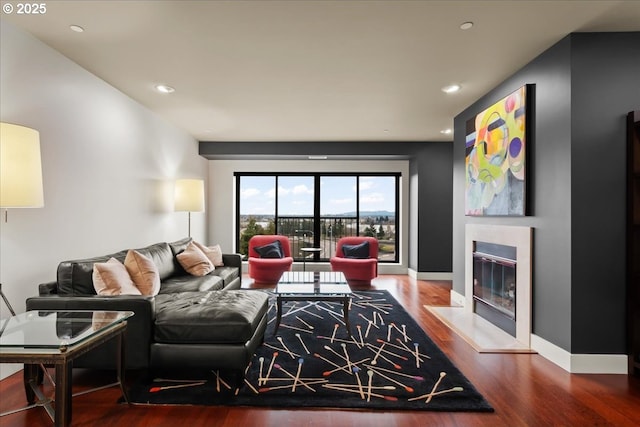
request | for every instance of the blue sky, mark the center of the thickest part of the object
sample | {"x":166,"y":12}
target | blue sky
{"x":338,"y":195}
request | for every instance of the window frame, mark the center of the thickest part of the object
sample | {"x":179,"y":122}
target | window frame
{"x":317,"y":217}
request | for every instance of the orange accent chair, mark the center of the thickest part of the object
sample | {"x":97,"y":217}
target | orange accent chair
{"x":267,"y":268}
{"x":358,"y":266}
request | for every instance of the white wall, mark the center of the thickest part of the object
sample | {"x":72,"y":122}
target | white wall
{"x":222,"y":203}
{"x":108,"y":168}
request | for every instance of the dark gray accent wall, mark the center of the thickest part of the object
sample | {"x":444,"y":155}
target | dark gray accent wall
{"x":434,"y":207}
{"x":584,"y":86}
{"x":430,"y":184}
{"x":605,"y":86}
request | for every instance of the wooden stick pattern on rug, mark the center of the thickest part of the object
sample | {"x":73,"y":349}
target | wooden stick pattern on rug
{"x":333,"y":336}
{"x":335,"y":339}
{"x":382,"y":356}
{"x":279,"y":338}
{"x":169,"y":387}
{"x":342,"y":368}
{"x":406,"y":387}
{"x":279,"y":349}
{"x":330,"y":362}
{"x":435,"y":386}
{"x":355,"y":372}
{"x":371,"y":322}
{"x":346,"y":354}
{"x":297,"y":378}
{"x":250,"y":386}
{"x":261,"y":360}
{"x":399,"y":356}
{"x":409,"y":350}
{"x":449,"y":390}
{"x":366,"y":334}
{"x":266,"y":378}
{"x":375,"y":359}
{"x":295,"y":328}
{"x":305,"y":323}
{"x":360,"y":333}
{"x":302,"y":342}
{"x":219,"y":381}
{"x":245,"y":375}
{"x":279,"y":387}
{"x":413,"y":377}
{"x":370,"y":375}
{"x":284,"y":371}
{"x":347,"y":390}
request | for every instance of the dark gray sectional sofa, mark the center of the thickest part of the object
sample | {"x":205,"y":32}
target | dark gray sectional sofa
{"x":194,"y":322}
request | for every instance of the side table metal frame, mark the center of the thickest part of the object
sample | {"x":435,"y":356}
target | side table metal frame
{"x":63,"y":361}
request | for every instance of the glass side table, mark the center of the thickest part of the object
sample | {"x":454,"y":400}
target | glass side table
{"x":306,"y":252}
{"x":57,"y":338}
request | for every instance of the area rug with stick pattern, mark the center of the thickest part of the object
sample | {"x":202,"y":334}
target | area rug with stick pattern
{"x":387,"y":363}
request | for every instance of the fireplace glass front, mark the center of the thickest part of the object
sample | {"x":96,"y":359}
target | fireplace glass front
{"x":494,"y":284}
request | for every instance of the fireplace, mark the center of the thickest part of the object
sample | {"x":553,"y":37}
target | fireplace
{"x":497,"y":257}
{"x":494,"y":284}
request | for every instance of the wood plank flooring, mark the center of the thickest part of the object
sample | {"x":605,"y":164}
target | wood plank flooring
{"x":524,"y":389}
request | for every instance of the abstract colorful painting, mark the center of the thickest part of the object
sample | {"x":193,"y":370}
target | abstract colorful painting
{"x":495,"y":165}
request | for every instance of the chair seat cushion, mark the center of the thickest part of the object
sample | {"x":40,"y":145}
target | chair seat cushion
{"x":209,"y":318}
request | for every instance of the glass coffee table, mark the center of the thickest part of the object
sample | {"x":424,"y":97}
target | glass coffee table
{"x":56,"y":338}
{"x":313,"y":286}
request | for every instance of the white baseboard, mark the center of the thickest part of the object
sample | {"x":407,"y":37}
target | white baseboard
{"x":425,"y":275}
{"x":580,"y":363}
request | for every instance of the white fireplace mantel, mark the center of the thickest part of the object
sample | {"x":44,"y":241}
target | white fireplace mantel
{"x":520,"y":238}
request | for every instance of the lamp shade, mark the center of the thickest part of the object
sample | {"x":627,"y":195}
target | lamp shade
{"x":20,"y":167}
{"x":189,"y":195}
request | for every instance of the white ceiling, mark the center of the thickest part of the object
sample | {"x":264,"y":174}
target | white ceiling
{"x":313,"y":70}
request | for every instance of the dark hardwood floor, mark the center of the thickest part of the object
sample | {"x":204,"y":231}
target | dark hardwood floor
{"x":524,"y":389}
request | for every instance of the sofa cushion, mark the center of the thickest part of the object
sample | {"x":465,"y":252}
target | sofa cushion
{"x":143,"y":272}
{"x":227,"y":274}
{"x":209,"y":318}
{"x":112,"y":278}
{"x":194,"y":261}
{"x":214,"y":253}
{"x":188,"y":283}
{"x":178,"y":247}
{"x":75,"y":277}
{"x":360,"y":251}
{"x":271,"y":250}
{"x":162,"y":257}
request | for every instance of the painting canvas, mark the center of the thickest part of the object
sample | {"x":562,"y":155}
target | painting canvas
{"x":495,"y":165}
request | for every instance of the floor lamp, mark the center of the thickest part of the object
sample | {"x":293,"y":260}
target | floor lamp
{"x":20,"y":187}
{"x":189,"y":197}
{"x":20,"y":172}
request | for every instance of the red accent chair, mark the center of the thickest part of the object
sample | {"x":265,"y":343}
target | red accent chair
{"x":357,"y":271}
{"x":267,"y":271}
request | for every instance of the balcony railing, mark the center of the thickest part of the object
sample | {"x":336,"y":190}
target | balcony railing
{"x":301,"y":231}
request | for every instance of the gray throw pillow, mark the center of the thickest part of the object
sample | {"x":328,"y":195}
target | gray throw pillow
{"x":272,"y":250}
{"x":360,"y":251}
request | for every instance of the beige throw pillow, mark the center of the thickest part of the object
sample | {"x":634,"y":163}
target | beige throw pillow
{"x":195,"y":261}
{"x":143,"y":272}
{"x":214,"y":253}
{"x":112,"y":278}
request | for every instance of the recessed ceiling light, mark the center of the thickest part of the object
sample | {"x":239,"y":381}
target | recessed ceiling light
{"x":165,"y":89}
{"x":466,"y":25}
{"x":76,"y":28}
{"x":446,"y":131}
{"x":451,"y":88}
{"x":317,"y":157}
